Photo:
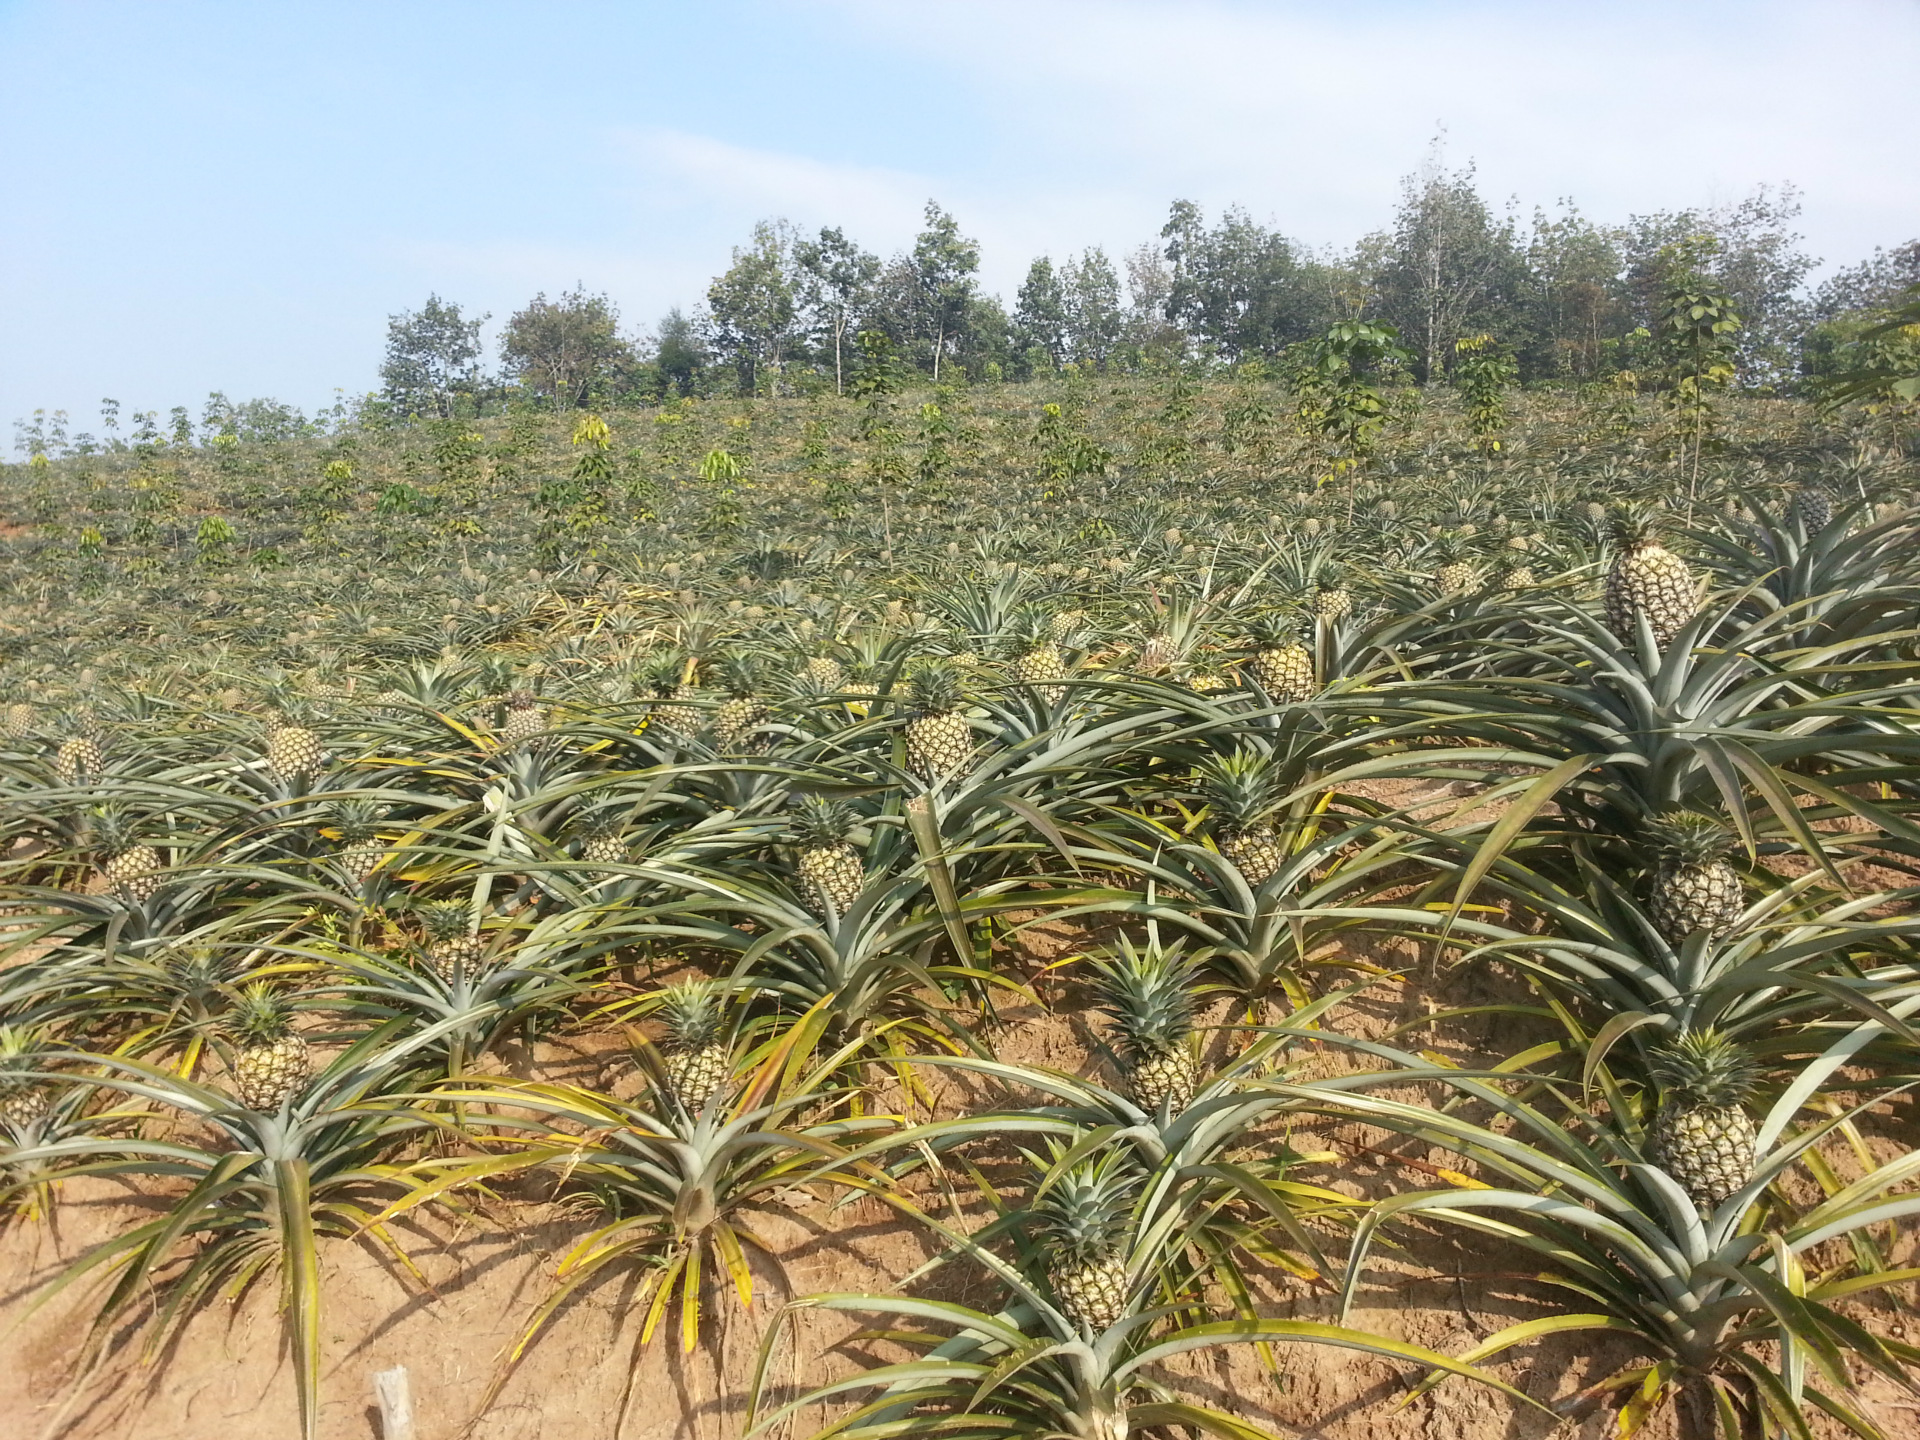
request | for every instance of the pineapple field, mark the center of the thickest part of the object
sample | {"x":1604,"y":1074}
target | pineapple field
{"x":1097,"y":907}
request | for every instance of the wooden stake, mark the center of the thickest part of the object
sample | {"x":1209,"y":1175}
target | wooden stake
{"x":391,"y":1392}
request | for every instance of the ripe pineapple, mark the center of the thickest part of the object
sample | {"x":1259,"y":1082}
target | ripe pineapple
{"x":1241,"y":790}
{"x":939,"y":740}
{"x":1456,"y":574}
{"x":698,"y":1051}
{"x":741,"y":713}
{"x":1147,"y":992}
{"x":1065,"y":625}
{"x":1083,"y":1225}
{"x":824,"y":673}
{"x":16,"y":723}
{"x":1518,"y":575}
{"x":1282,"y":665}
{"x":360,"y":851}
{"x":829,"y":864}
{"x":1645,"y":578}
{"x":23,"y":1102}
{"x":1694,"y":887}
{"x":662,"y":678}
{"x":1702,"y":1135}
{"x":79,"y":758}
{"x":132,"y":868}
{"x":294,"y":752}
{"x":1159,"y":651}
{"x":1039,"y":661}
{"x":272,"y":1064}
{"x":453,"y":946}
{"x":1331,"y":600}
{"x":525,"y":718}
{"x":604,"y":842}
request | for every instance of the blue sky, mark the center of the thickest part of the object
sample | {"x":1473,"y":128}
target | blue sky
{"x":226,"y":196}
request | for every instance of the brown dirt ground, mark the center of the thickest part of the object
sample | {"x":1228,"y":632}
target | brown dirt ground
{"x":584,"y":1377}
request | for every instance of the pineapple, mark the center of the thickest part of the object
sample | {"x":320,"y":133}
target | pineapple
{"x":1702,"y":1135}
{"x":1159,"y":651}
{"x":741,"y":713}
{"x":79,"y":759}
{"x":1456,"y":574}
{"x":23,"y":1102}
{"x":1812,"y":506}
{"x":1517,"y":575}
{"x":1330,"y":600}
{"x":294,"y":752}
{"x":1065,"y":625}
{"x":1282,"y":665}
{"x":1147,"y":992}
{"x":824,"y":674}
{"x":1039,"y":661}
{"x":453,"y":947}
{"x":360,"y":851}
{"x":1240,"y":790}
{"x":271,"y":1064}
{"x":1694,"y":887}
{"x":16,"y":722}
{"x":698,"y":1053}
{"x":132,"y":868}
{"x":1083,"y":1224}
{"x":604,"y":842}
{"x":662,"y":678}
{"x":832,"y":868}
{"x":524,"y":718}
{"x":939,"y":740}
{"x":1647,"y":579}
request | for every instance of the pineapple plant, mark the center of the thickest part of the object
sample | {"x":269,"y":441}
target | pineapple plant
{"x":1647,"y":579}
{"x":1694,"y":886}
{"x":453,"y":947}
{"x":1517,"y":573}
{"x":1456,"y":574}
{"x":1240,"y":792}
{"x":823,"y":674}
{"x":23,"y":1101}
{"x":1160,"y":650}
{"x":697,"y":1053}
{"x":742,"y":712}
{"x":1701,"y":1133}
{"x":939,"y":739}
{"x":604,"y":841}
{"x":1147,"y":991}
{"x":1282,"y":664}
{"x":132,"y":868}
{"x":294,"y":752}
{"x":1082,"y":1223}
{"x":1065,"y":625}
{"x":270,"y":1063}
{"x":1330,"y":599}
{"x":828,"y":863}
{"x":525,"y":717}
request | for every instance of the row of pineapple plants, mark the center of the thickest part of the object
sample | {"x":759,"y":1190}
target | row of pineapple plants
{"x":832,"y":807}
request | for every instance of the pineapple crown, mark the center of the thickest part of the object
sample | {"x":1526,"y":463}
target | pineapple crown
{"x":1242,"y":787}
{"x":1080,"y":1209}
{"x":934,"y":688}
{"x":1033,"y":629}
{"x":694,"y":1012}
{"x":115,"y":831}
{"x":1147,"y":989}
{"x":20,"y":1049}
{"x":740,"y":675}
{"x":1636,"y":526}
{"x":446,"y":919}
{"x":521,"y":699}
{"x":260,"y":1014}
{"x":1277,"y":630}
{"x":818,"y":821}
{"x":357,"y":820}
{"x":662,"y":673}
{"x":1687,"y":837}
{"x":1703,"y":1067}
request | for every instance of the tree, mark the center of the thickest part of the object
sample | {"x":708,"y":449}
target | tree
{"x":753,"y":303}
{"x":433,"y":353}
{"x":1483,"y":369}
{"x":1040,"y":312}
{"x":1239,"y":287}
{"x":563,"y":349}
{"x":836,"y":283}
{"x":1333,"y":381}
{"x":1696,"y":335}
{"x":943,"y":265}
{"x":1576,"y":305}
{"x":1448,"y":268}
{"x":1095,"y":321}
{"x":679,"y":353}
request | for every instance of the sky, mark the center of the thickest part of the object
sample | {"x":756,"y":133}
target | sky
{"x":235,"y":196}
